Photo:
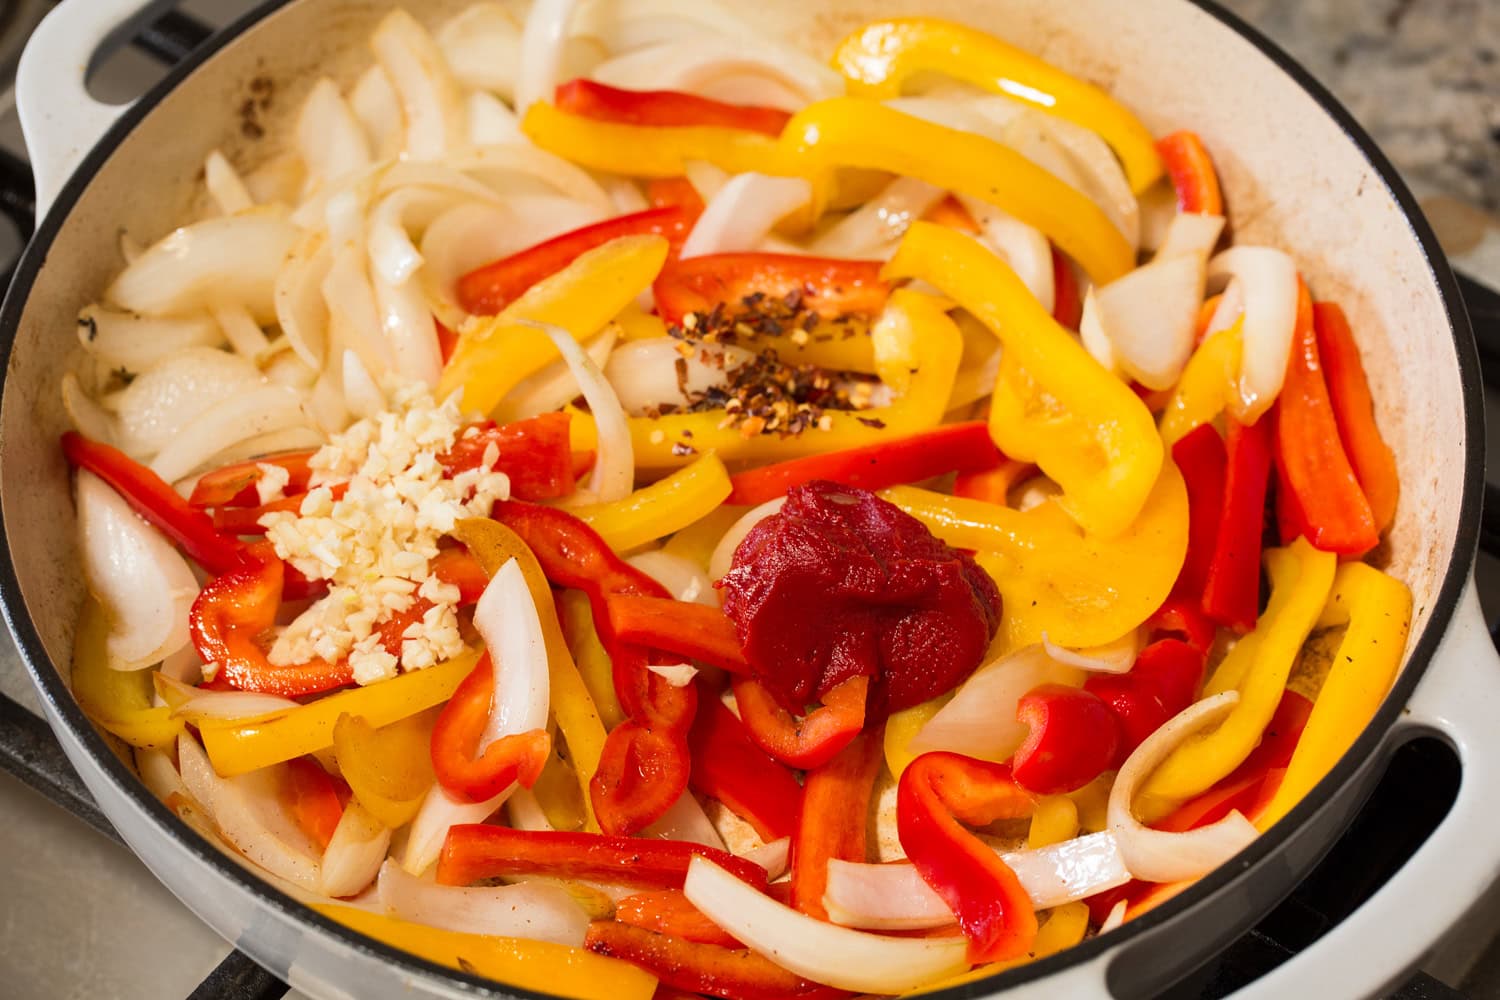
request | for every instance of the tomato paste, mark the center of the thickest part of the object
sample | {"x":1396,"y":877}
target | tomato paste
{"x":841,"y":584}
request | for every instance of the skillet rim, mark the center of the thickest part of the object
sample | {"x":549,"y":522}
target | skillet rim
{"x":1370,"y":744}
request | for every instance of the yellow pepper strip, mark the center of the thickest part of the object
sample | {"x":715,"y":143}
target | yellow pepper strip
{"x":1054,"y":821}
{"x":917,"y":352}
{"x":495,"y":353}
{"x":902,"y":727}
{"x":1206,"y":384}
{"x":389,"y":769}
{"x":646,"y":150}
{"x":696,"y":542}
{"x":558,"y":793}
{"x":590,"y":655}
{"x":542,"y":966}
{"x":1092,"y":802}
{"x":493,"y":544}
{"x":637,"y":324}
{"x":1301,"y":577}
{"x":1064,"y":927}
{"x":1054,"y":404}
{"x":242,"y":747}
{"x":880,"y":57}
{"x":850,"y":132}
{"x":1080,"y":589}
{"x":1377,"y":610}
{"x":667,"y":505}
{"x":118,"y":701}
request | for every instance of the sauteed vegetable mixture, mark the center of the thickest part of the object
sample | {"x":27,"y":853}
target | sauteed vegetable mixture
{"x":626,"y":507}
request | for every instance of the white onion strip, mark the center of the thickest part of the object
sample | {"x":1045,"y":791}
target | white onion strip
{"x":682,"y":577}
{"x":441,"y":811}
{"x":1024,"y":247}
{"x":506,"y":618}
{"x":872,"y":230}
{"x":197,"y":705}
{"x":1111,"y":658}
{"x":675,"y":674}
{"x":426,"y":90}
{"x":542,"y":43}
{"x":534,"y":910}
{"x":137,"y":343}
{"x":1150,"y":316}
{"x":981,"y":721}
{"x":354,"y":853}
{"x":225,"y":186}
{"x":686,"y":820}
{"x":240,"y":329}
{"x":774,"y":857}
{"x":330,"y":139}
{"x":555,"y":385}
{"x":1158,"y":855}
{"x":650,"y":373}
{"x":614,"y":464}
{"x":744,"y":210}
{"x":246,"y":414}
{"x":1269,"y":280}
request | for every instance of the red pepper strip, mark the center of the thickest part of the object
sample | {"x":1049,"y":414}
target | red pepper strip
{"x":1067,"y":304}
{"x":958,"y":447}
{"x":727,"y":766}
{"x":1203,"y":460}
{"x":691,"y":630}
{"x":1336,"y":517}
{"x":1374,"y":464}
{"x":667,"y":911}
{"x":229,"y":615}
{"x":1164,"y":680}
{"x":950,"y":212}
{"x":1192,"y":172}
{"x":1290,"y":524}
{"x":478,"y":851}
{"x":992,"y":485}
{"x":153,"y":498}
{"x":664,"y":108}
{"x":1231,"y":591}
{"x":643,"y":770}
{"x":938,"y":791}
{"x":835,"y":817}
{"x":812,"y":740}
{"x":534,"y":453}
{"x":1073,"y":737}
{"x":447,"y":340}
{"x":234,"y":485}
{"x":673,"y":192}
{"x":828,"y":286}
{"x":458,"y":567}
{"x":246,"y":520}
{"x":314,"y":799}
{"x":1182,"y":618}
{"x":488,"y":289}
{"x":455,"y":741}
{"x":702,"y":968}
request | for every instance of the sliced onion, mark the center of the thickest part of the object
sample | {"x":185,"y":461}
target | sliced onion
{"x":743,"y":212}
{"x":441,"y":811}
{"x":620,"y":27}
{"x":706,"y":178}
{"x":686,"y":820}
{"x":502,"y":168}
{"x":482,"y":44}
{"x":225,"y":186}
{"x":361,"y":394}
{"x":286,"y":368}
{"x":274,"y":443}
{"x":980,"y":721}
{"x":774,"y":857}
{"x":695,"y":63}
{"x":463,"y":238}
{"x":233,"y":259}
{"x":198,"y":704}
{"x":159,"y":404}
{"x":1024,"y":247}
{"x":1150,"y":316}
{"x":525,"y":812}
{"x":825,"y":953}
{"x":355,"y":852}
{"x":614,"y":466}
{"x":722,"y":559}
{"x":871,"y":231}
{"x":675,"y":674}
{"x":650,"y":373}
{"x":144,"y":585}
{"x":893,"y":897}
{"x":393,"y":255}
{"x":536,"y":911}
{"x":184,"y":666}
{"x":87,"y":417}
{"x":1191,"y":233}
{"x":240,"y":329}
{"x":300,"y":310}
{"x":542,"y":43}
{"x":428,"y":95}
{"x":683,"y":578}
{"x":506,"y":618}
{"x":139,"y":343}
{"x":1269,"y":278}
{"x":246,"y":414}
{"x":354,"y":316}
{"x":1231,"y":308}
{"x":1157,"y":855}
{"x":1091,"y":331}
{"x":330,"y":139}
{"x":326,"y":404}
{"x":159,"y":774}
{"x":410,"y":331}
{"x":624,"y":193}
{"x":554,"y":386}
{"x":1103,"y":179}
{"x":1158,"y":209}
{"x":1111,"y":658}
{"x":491,"y":123}
{"x":379,"y":112}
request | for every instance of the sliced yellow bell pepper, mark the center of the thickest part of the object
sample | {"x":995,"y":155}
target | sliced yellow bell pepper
{"x":589,"y":653}
{"x":1301,"y":577}
{"x":1054,"y":821}
{"x":241,"y":747}
{"x":646,"y":150}
{"x":493,"y":544}
{"x":1206,"y":386}
{"x":1054,"y":404}
{"x":880,"y":57}
{"x":495,"y":353}
{"x":1092,"y":803}
{"x":667,"y":505}
{"x":389,"y":769}
{"x":558,"y":793}
{"x":1064,"y":927}
{"x":118,"y":701}
{"x":542,"y":966}
{"x":1080,"y":589}
{"x":696,"y":542}
{"x":917,"y":352}
{"x":637,"y":324}
{"x":902,"y":727}
{"x":1377,"y":610}
{"x":850,"y":132}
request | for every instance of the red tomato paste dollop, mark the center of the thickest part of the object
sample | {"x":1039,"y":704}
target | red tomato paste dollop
{"x":842,"y":584}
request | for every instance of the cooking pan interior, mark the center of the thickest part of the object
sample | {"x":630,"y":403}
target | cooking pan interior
{"x":1292,"y":178}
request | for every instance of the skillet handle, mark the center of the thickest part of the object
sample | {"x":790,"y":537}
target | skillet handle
{"x":60,"y":119}
{"x":1394,"y":930}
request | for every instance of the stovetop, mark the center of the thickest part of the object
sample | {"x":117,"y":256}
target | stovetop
{"x":81,"y":917}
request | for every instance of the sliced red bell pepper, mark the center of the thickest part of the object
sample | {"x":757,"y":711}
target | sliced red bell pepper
{"x":664,"y":108}
{"x":534,"y":453}
{"x":673,"y":192}
{"x":1349,"y":391}
{"x":488,"y":289}
{"x":643,"y":770}
{"x":154,"y":499}
{"x":702,"y":968}
{"x":831,"y":287}
{"x":1067,"y":304}
{"x":950,"y":212}
{"x":1231,"y":591}
{"x":1192,"y":172}
{"x":1203,"y":460}
{"x":1310,"y":458}
{"x":1289,"y":522}
{"x":957,"y":447}
{"x":246,"y":520}
{"x":992,"y":485}
{"x":1164,"y":680}
{"x":692,"y":630}
{"x":667,"y":911}
{"x":234,"y":485}
{"x":835,"y":818}
{"x":729,"y":767}
{"x":1072,"y":738}
{"x":458,"y":567}
{"x":1182,"y":618}
{"x":447,"y":340}
{"x":456,"y":760}
{"x":479,"y":851}
{"x":939,"y":791}
{"x":313,"y":795}
{"x":812,"y":740}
